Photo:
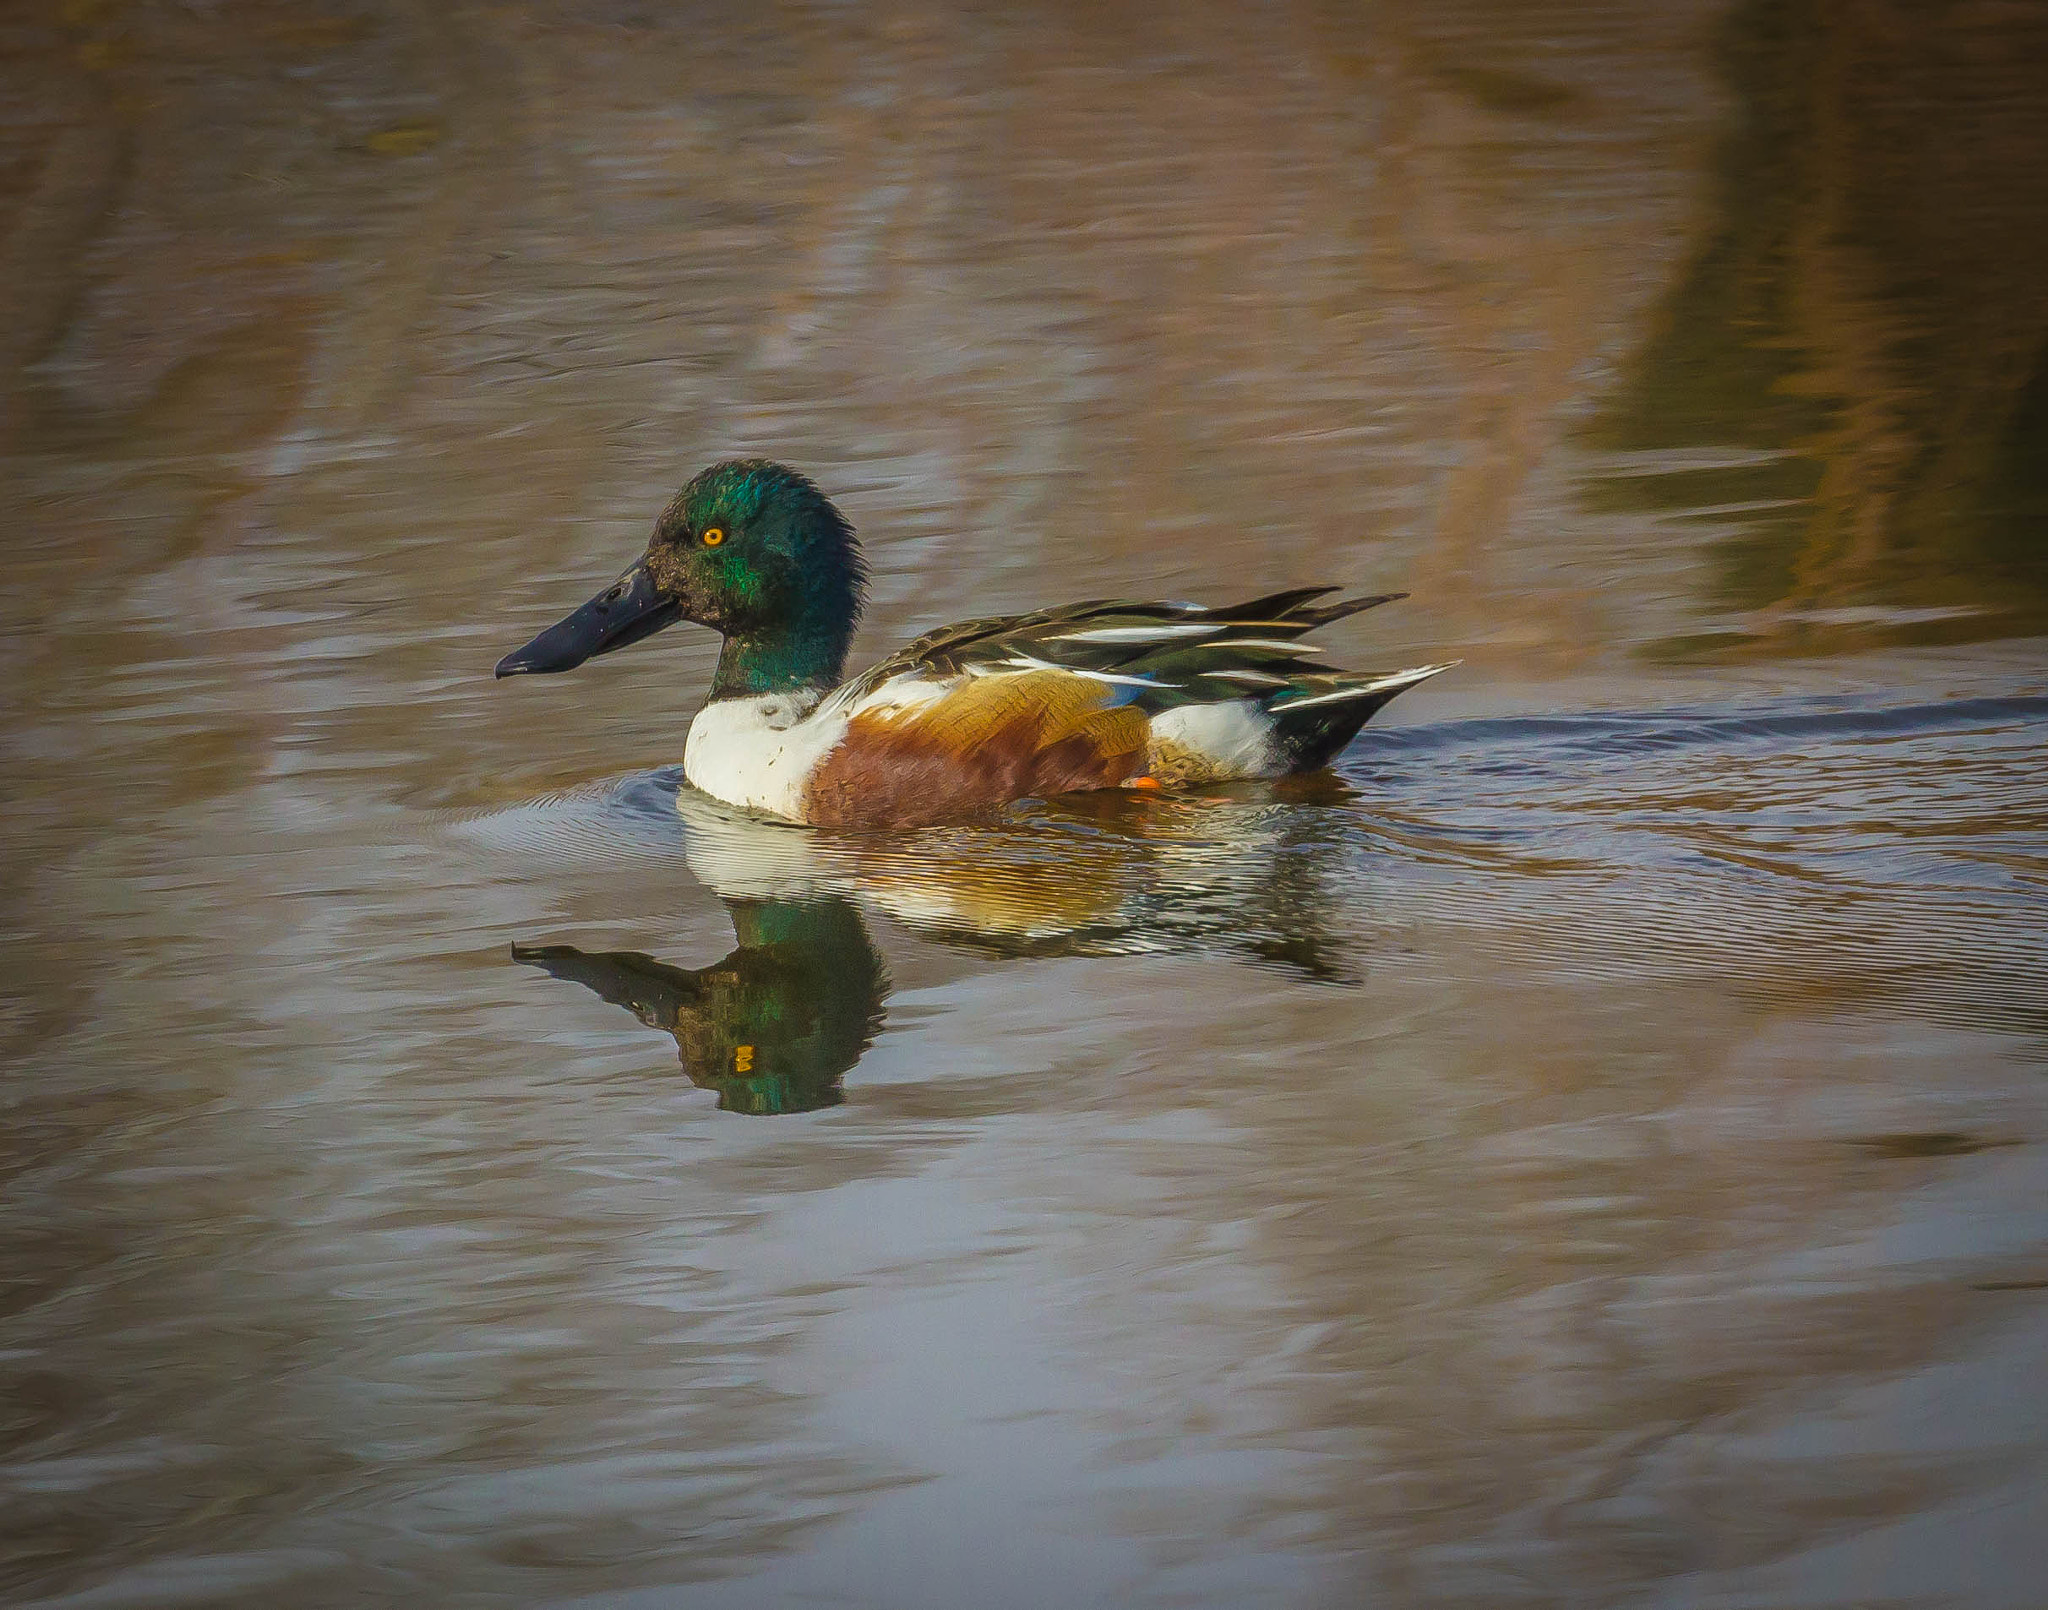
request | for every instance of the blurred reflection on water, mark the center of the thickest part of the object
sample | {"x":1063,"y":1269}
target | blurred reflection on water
{"x":1851,"y":361}
{"x":1588,"y":1150}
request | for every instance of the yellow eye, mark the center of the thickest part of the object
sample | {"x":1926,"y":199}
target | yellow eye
{"x":713,"y":537}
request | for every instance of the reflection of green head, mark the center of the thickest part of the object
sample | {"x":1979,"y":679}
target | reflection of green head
{"x":774,"y":1025}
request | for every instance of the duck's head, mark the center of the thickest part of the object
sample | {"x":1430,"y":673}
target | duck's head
{"x":751,"y":549}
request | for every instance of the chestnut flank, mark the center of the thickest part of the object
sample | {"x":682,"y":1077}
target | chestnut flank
{"x":990,"y":740}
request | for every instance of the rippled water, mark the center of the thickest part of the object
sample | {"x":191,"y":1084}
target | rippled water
{"x":1586,"y":1149}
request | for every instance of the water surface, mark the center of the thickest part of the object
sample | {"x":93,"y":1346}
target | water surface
{"x":1589,"y":1148}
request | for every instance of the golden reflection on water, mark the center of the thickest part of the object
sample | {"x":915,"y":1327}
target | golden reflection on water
{"x":1854,"y":321}
{"x":1586,"y":1151}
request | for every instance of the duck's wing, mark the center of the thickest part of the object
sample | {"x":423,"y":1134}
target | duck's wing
{"x":1160,"y":655}
{"x":1089,"y":696}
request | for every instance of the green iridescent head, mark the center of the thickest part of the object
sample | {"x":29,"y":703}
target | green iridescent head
{"x":749,"y":548}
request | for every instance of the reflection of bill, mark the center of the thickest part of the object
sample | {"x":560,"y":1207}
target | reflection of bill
{"x":772,"y":1026}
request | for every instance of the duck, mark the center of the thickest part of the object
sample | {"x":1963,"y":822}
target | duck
{"x":972,"y":717}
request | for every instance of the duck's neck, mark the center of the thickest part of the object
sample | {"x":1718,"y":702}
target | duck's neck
{"x":782,"y":659}
{"x":799,"y":633}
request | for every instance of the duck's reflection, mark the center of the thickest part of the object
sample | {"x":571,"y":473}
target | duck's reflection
{"x":774,"y":1026}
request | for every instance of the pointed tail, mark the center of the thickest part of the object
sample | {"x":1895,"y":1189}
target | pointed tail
{"x":1318,"y":716}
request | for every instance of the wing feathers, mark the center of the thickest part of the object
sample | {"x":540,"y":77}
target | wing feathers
{"x":1154,"y":656}
{"x":1323,"y":614}
{"x":1139,"y":635}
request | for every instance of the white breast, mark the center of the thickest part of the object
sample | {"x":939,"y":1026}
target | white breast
{"x":759,"y":753}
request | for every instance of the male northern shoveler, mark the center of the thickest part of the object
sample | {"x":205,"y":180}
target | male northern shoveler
{"x":1101,"y":694}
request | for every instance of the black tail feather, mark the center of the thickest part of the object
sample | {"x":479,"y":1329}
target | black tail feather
{"x":1313,"y":728}
{"x":1297,"y":606}
{"x":1323,"y":614}
{"x":1275,"y":606}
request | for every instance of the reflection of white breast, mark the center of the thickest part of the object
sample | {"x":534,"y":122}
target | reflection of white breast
{"x":746,"y":858}
{"x":1028,"y":879}
{"x":759,"y":752}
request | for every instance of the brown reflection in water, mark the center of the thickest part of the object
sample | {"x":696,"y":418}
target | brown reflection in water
{"x":1870,"y":305}
{"x":1314,"y":295}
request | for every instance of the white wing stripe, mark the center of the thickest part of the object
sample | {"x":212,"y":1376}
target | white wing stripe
{"x":1275,"y":644}
{"x":1025,"y":662}
{"x":1251,"y":679}
{"x":1400,"y":679}
{"x":1139,"y":634}
{"x":1111,"y":676}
